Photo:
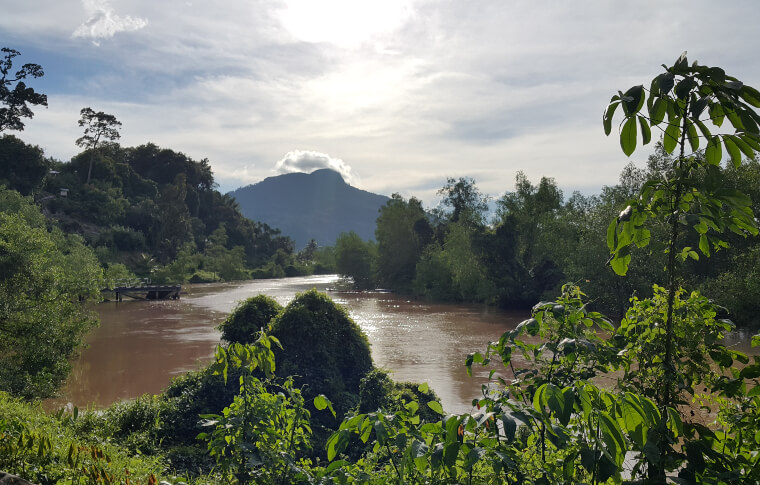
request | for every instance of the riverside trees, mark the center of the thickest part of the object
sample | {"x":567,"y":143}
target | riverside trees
{"x":45,"y":278}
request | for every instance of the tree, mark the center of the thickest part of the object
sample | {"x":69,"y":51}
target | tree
{"x":323,"y":348}
{"x":17,"y":98}
{"x":45,"y":278}
{"x":249,"y":318}
{"x":356,"y":258}
{"x":691,"y":96}
{"x":465,"y":200}
{"x":22,"y":167}
{"x":400,"y":236}
{"x":97,"y":126}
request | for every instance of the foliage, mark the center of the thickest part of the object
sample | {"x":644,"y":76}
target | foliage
{"x":402,"y":233}
{"x":45,"y":278}
{"x":50,"y":448}
{"x":97,"y":126}
{"x":355,"y":258}
{"x":249,"y":317}
{"x":324,"y":350}
{"x":15,"y":96}
{"x":467,"y":204}
{"x":259,"y":435}
{"x":22,"y":167}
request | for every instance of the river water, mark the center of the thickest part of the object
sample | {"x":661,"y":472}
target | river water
{"x":141,"y":345}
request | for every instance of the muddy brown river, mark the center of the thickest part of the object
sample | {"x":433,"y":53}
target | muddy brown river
{"x":141,"y":345}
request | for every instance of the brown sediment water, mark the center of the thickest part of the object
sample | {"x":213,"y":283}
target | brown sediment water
{"x":141,"y":345}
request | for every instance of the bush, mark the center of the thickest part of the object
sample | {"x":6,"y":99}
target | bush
{"x":250,"y":316}
{"x":323,"y":349}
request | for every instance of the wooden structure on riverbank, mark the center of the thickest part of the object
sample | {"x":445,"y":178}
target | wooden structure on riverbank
{"x":146,"y":292}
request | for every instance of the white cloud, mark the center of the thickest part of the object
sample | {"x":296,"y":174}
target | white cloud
{"x":103,"y":22}
{"x":308,"y":161}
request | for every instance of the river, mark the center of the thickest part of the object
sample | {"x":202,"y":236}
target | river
{"x":141,"y":345}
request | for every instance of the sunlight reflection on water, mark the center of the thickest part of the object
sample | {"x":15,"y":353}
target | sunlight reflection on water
{"x":140,"y":346}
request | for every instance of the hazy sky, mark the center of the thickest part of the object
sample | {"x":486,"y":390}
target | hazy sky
{"x":396,"y":94}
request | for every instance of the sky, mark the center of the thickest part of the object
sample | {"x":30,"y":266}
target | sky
{"x":397,"y":95}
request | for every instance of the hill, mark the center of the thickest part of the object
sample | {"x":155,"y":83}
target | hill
{"x":319,"y":205}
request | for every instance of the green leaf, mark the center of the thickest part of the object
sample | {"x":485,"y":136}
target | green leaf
{"x":684,"y":87}
{"x":657,"y":114}
{"x":750,"y":372}
{"x":423,"y":388}
{"x":714,"y":151}
{"x":633,"y":100}
{"x":743,"y":146}
{"x":704,"y":245}
{"x":748,"y":122}
{"x":628,"y":136}
{"x":607,"y":118}
{"x":667,"y":82}
{"x":703,"y":128}
{"x":436,"y":406}
{"x":691,"y":131}
{"x":750,"y":95}
{"x":733,"y":150}
{"x":646,"y":133}
{"x":717,"y":74}
{"x":672,"y":134}
{"x":620,"y":264}
{"x":717,"y":115}
{"x":611,"y":235}
{"x":450,"y":452}
{"x":613,"y":439}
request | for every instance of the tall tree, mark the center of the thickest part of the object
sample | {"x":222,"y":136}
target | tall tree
{"x":15,"y":96}
{"x":97,"y":126}
{"x":464,"y":199}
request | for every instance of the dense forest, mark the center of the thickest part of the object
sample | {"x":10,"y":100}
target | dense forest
{"x":651,"y":396}
{"x":151,"y":213}
{"x":538,"y":240}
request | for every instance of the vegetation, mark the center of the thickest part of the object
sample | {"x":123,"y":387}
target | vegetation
{"x":15,"y":95}
{"x":45,"y":279}
{"x":656,"y":397}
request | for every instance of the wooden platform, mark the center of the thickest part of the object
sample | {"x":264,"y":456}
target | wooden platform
{"x":150,"y":292}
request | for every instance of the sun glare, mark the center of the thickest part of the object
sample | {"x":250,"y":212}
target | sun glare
{"x":346,"y":23}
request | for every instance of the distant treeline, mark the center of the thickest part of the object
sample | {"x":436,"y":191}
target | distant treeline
{"x":153,"y":213}
{"x":539,"y":240}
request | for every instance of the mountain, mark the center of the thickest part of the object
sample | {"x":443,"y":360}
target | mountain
{"x":319,"y":205}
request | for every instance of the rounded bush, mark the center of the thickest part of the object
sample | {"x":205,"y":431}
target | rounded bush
{"x":323,"y":348}
{"x":248,"y":318}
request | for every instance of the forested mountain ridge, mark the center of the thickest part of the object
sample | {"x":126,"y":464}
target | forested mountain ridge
{"x":318,"y":206}
{"x":151,"y":211}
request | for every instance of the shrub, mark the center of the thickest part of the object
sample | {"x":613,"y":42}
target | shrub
{"x":323,"y":348}
{"x":250,"y":316}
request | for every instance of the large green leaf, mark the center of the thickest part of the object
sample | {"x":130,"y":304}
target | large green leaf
{"x":646,"y":133}
{"x":620,"y":264}
{"x":612,"y":437}
{"x":748,"y":122}
{"x":733,"y":150}
{"x":672,"y":134}
{"x":628,"y":136}
{"x":691,"y":131}
{"x":750,"y":95}
{"x":657,"y":113}
{"x":717,"y":114}
{"x":633,"y":100}
{"x":743,"y":146}
{"x":704,"y":245}
{"x":607,"y":118}
{"x":667,"y":82}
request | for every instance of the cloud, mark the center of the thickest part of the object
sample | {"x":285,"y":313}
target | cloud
{"x":308,"y":161}
{"x":102,"y":22}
